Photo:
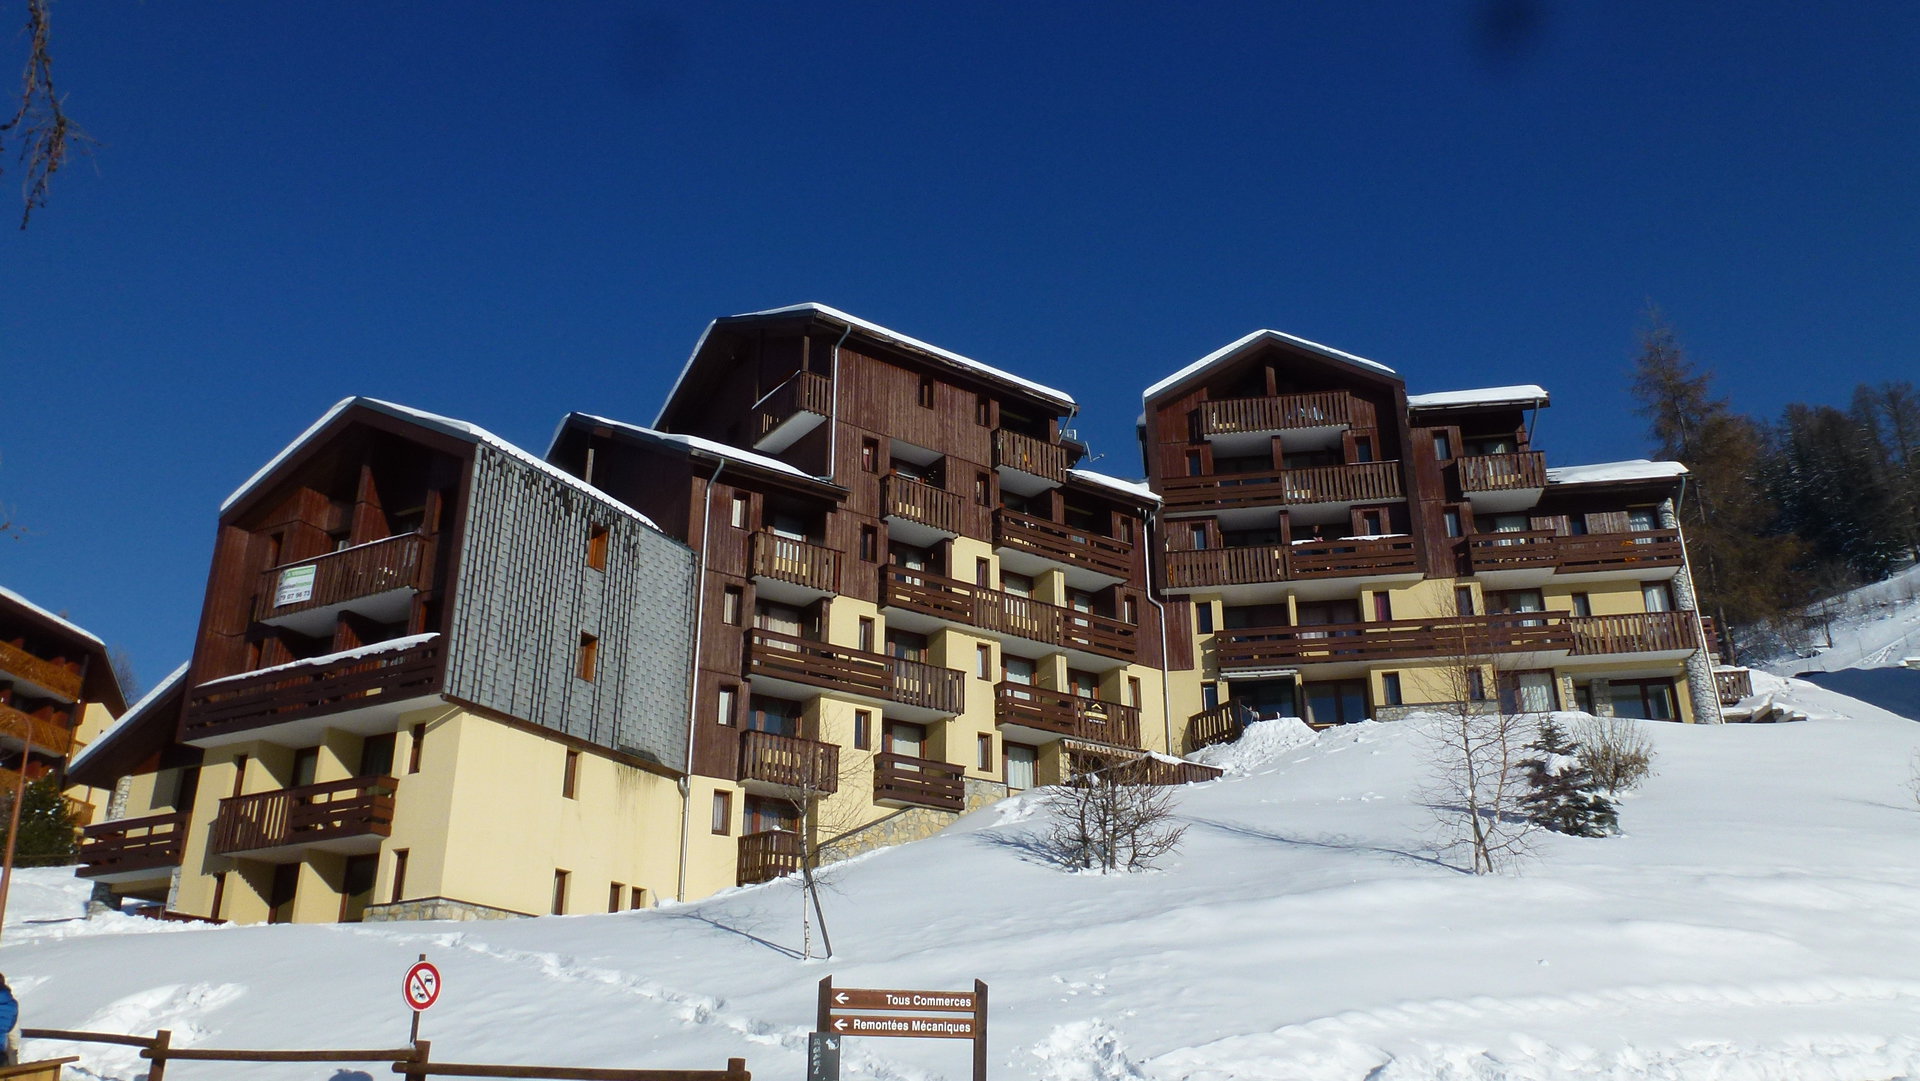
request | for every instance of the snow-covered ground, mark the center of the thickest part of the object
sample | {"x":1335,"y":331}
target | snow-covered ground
{"x":1875,"y":626}
{"x":1759,"y":918}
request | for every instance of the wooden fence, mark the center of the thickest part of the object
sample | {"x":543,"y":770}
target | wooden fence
{"x":414,"y":1063}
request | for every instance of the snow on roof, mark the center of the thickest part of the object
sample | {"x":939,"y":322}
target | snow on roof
{"x":1059,"y":397}
{"x":1228,"y":351}
{"x":37,"y":610}
{"x":391,"y":645}
{"x":709,"y":446}
{"x":1136,"y":489}
{"x":459,"y":429}
{"x":1634,"y":469}
{"x":1522,"y":394}
{"x":127,"y":720}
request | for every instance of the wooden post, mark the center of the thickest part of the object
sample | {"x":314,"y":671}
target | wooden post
{"x":826,"y":1005}
{"x":13,"y":828}
{"x":158,"y":1053}
{"x":979,"y":1031}
{"x":737,"y":1070}
{"x":421,"y":1050}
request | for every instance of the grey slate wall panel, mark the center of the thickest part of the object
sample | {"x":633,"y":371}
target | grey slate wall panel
{"x":526,"y":595}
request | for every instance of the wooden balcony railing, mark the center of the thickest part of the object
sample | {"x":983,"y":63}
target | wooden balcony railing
{"x":61,"y":677}
{"x":1227,"y":566}
{"x":1067,"y":714}
{"x":231,"y":705}
{"x":1466,"y":636}
{"x":787,"y":560}
{"x":1004,"y":613}
{"x":1635,"y":632}
{"x":918,"y":782}
{"x":133,"y":844}
{"x":1029,"y":455}
{"x":1733,"y":684}
{"x":1533,"y":548}
{"x":1711,"y":628}
{"x":364,"y":570}
{"x":805,"y":392}
{"x":336,"y":810}
{"x":46,"y":734}
{"x":1283,"y":562}
{"x":1221,"y":724}
{"x":809,"y":765}
{"x":918,"y":501}
{"x":1062,"y":543}
{"x":767,"y":855}
{"x":838,"y":668}
{"x":1367,"y":482}
{"x":1324,"y":409}
{"x":1503,"y":472}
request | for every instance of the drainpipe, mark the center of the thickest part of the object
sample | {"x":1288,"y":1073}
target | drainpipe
{"x":693,"y":678}
{"x":1166,"y":692}
{"x":833,"y":409}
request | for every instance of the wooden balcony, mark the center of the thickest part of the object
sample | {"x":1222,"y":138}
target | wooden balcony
{"x":127,"y":846}
{"x":1012,"y":450}
{"x":1003,"y":613}
{"x":46,"y":734}
{"x":1284,"y":562}
{"x":1286,"y":412}
{"x":1711,"y":628}
{"x":1465,"y":636}
{"x":902,"y":781}
{"x":921,"y":503}
{"x":792,"y":410}
{"x":806,"y":765}
{"x":767,"y":855}
{"x":1062,"y":543}
{"x":224,"y":706}
{"x":1733,"y":684}
{"x":1367,"y":482}
{"x":1585,"y":554}
{"x":1067,"y":714}
{"x":796,"y":562}
{"x":1636,"y":632}
{"x":851,"y":671}
{"x":346,"y":816}
{"x":1503,"y":472}
{"x":365,"y":570}
{"x":59,"y":677}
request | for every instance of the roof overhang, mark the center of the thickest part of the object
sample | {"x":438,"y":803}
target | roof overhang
{"x":1227,"y":354}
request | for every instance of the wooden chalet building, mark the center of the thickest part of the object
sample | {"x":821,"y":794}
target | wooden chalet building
{"x":58,"y":691}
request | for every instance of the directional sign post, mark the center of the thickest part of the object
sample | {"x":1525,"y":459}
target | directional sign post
{"x":949,"y":1015}
{"x":421,"y":989}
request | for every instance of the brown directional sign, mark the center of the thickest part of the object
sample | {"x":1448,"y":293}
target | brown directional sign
{"x":874,"y":1024}
{"x":863,"y":998}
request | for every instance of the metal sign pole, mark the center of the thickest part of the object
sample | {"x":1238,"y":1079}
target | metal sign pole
{"x":413,"y":1033}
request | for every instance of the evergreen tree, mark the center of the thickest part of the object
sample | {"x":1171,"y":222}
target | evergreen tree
{"x":1890,"y":415}
{"x":1562,"y":794}
{"x":47,"y":831}
{"x":1827,"y":472}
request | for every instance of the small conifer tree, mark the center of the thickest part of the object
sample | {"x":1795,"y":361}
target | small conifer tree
{"x":1562,"y":794}
{"x":47,"y":831}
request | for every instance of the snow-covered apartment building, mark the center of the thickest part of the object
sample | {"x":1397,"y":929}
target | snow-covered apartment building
{"x":847,"y":571}
{"x":57,"y":692}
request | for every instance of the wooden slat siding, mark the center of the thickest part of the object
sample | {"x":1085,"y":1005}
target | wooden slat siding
{"x":1349,"y":558}
{"x":921,"y":782}
{"x":839,"y":668}
{"x":789,"y":560}
{"x":1519,"y":632}
{"x":63,"y":678}
{"x":1030,"y":455}
{"x":1067,"y":714}
{"x":1598,"y":551}
{"x":53,"y":737}
{"x":274,"y":696}
{"x":1062,"y":543}
{"x":394,"y":563}
{"x":1635,"y":632}
{"x":992,"y":610}
{"x":790,"y":762}
{"x":1503,"y":472}
{"x":804,"y":392}
{"x":767,"y":855}
{"x":1221,"y":724}
{"x":355,"y":807}
{"x":1328,"y":408}
{"x":1733,"y":685}
{"x":1367,"y":482}
{"x":133,"y":844}
{"x":915,"y":501}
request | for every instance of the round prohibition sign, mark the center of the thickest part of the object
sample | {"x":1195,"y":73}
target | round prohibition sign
{"x":422,"y":986}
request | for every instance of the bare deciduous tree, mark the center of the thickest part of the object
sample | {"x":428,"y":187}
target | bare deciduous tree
{"x":1617,"y":752}
{"x":40,"y":124}
{"x":1102,"y":822}
{"x":1475,"y":781}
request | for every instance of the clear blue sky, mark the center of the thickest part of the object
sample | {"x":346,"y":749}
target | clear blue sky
{"x":507,"y":212}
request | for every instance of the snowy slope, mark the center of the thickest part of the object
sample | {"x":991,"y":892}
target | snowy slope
{"x":1757,"y":920}
{"x":1875,"y":626}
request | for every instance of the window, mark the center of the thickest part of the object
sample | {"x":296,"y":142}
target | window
{"x":1382,"y":607}
{"x":1340,"y":701}
{"x":737,"y":512}
{"x":1658,"y":597}
{"x":570,"y":776}
{"x":1463,"y":600}
{"x":926,"y":392}
{"x":1203,"y":617}
{"x":399,"y":892}
{"x":1133,"y":691}
{"x":1017,"y":670}
{"x":220,"y":887}
{"x":982,"y":490}
{"x":1129,"y":610}
{"x":1390,"y":689}
{"x":1453,"y":523}
{"x":723,"y":812}
{"x":983,"y":662}
{"x":1083,"y":684}
{"x":1363,"y":448}
{"x":560,"y":892}
{"x":982,"y":409}
{"x":906,"y":739}
{"x":1079,"y":600}
{"x":862,"y":730}
{"x":1442,"y":446}
{"x":1196,"y":463}
{"x":1372,"y":523}
{"x":1209,"y":695}
{"x":616,"y":893}
{"x":1646,"y":699}
{"x":732,"y":601}
{"x":983,"y":572}
{"x":778,"y":716}
{"x":1017,"y":584}
{"x":597,"y":547}
{"x":907,"y":645}
{"x":869,"y":543}
{"x":1582,"y":604}
{"x":1643,"y":519}
{"x":870,"y":455}
{"x":306,"y":762}
{"x":418,"y":745}
{"x":726,"y":703}
{"x":866,"y":634}
{"x":589,"y":657}
{"x":376,"y":755}
{"x":985,"y":759}
{"x":1476,"y":684}
{"x":637,"y":898}
{"x":1020,"y":766}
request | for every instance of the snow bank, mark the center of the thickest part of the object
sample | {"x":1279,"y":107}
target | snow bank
{"x":1261,"y":745}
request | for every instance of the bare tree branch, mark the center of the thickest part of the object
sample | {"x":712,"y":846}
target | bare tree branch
{"x":46,"y":134}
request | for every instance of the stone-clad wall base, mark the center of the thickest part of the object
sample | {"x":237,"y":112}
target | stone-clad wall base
{"x":909,"y":824}
{"x":437,"y":908}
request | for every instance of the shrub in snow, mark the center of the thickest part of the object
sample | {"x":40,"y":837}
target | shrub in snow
{"x":1102,"y":824}
{"x":1617,"y":753}
{"x":1562,"y":794}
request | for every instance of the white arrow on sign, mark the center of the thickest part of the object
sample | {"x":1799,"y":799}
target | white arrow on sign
{"x":839,"y":1024}
{"x":841,"y":998}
